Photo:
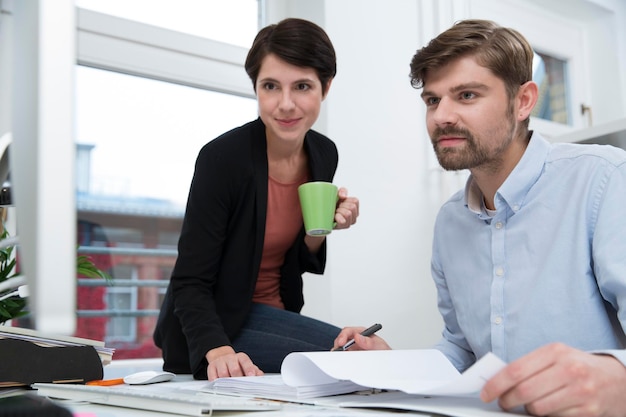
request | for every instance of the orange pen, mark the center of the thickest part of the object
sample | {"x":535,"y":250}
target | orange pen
{"x":106,"y":382}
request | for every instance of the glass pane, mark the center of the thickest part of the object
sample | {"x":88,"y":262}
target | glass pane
{"x":120,"y":328}
{"x":230,"y":21}
{"x":144,"y":135}
{"x":550,"y":74}
{"x":137,"y":144}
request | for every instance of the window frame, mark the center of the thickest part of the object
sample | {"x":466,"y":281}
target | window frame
{"x":130,"y":321}
{"x":134,"y":48}
{"x":560,"y":38}
{"x":124,"y":46}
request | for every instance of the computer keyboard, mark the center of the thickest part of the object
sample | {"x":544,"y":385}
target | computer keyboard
{"x":164,"y":397}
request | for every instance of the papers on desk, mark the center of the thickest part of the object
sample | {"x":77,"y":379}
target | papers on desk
{"x":272,"y":386}
{"x":436,"y":405}
{"x":318,"y":374}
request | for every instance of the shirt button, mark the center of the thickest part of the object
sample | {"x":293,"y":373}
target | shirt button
{"x":499,"y":225}
{"x":499,"y":271}
{"x":498,"y":320}
{"x":516,"y":207}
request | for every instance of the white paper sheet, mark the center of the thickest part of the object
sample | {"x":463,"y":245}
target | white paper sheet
{"x":423,"y":371}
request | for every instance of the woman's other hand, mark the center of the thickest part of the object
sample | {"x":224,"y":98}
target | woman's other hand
{"x":225,"y":362}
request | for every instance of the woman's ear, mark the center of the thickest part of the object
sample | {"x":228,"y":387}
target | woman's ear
{"x":526,"y":99}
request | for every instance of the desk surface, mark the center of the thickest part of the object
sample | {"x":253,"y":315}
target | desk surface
{"x":291,"y":410}
{"x":118,"y":369}
{"x":121,"y":368}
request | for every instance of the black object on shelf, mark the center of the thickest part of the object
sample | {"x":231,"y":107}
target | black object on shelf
{"x":25,"y":363}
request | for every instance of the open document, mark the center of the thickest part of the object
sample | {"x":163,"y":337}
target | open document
{"x":318,"y":374}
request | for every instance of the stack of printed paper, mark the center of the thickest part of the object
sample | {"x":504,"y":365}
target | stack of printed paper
{"x":319,"y":374}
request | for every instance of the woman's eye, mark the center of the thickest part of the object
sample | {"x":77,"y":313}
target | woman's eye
{"x":269,"y":86}
{"x":302,"y":87}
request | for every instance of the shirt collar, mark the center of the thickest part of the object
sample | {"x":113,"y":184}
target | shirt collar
{"x":519,"y":182}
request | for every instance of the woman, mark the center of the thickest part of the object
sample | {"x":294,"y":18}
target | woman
{"x":232,"y":306}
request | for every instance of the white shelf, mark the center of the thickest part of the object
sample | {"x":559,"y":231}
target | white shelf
{"x":611,"y":133}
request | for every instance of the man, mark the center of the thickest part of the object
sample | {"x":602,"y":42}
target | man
{"x":529,"y":259}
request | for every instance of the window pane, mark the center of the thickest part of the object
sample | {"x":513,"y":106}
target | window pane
{"x":121,"y":328}
{"x":137,"y":143}
{"x":550,"y":74}
{"x":144,"y":134}
{"x":230,"y":21}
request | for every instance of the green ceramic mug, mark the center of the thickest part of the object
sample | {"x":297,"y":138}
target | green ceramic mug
{"x":318,"y":201}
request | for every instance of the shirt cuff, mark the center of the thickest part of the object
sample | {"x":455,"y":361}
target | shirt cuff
{"x":618,"y":354}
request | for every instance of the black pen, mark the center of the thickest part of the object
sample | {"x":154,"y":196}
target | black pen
{"x":367,"y":332}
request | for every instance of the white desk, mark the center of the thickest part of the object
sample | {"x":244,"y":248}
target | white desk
{"x":121,"y":368}
{"x":291,"y":410}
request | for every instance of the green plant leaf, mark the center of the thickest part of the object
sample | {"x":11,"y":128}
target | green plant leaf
{"x":86,"y":267}
{"x":7,"y":270}
{"x":14,"y":307}
{"x":4,"y":312}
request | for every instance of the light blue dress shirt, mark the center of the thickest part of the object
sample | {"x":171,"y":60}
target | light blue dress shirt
{"x":549,"y":265}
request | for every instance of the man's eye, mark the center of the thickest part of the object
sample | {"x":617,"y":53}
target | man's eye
{"x":467,"y":95}
{"x":431,"y":100}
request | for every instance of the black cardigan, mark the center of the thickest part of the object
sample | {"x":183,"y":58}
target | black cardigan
{"x":221,"y":243}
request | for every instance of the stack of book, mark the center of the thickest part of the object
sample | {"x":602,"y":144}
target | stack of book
{"x":29,"y":356}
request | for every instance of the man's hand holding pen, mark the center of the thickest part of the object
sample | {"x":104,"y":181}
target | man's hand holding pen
{"x":360,"y":338}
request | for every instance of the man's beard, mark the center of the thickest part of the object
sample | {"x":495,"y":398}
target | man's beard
{"x":472,"y":154}
{"x":454,"y":159}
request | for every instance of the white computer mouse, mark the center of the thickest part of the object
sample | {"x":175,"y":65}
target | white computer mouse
{"x":148,"y":377}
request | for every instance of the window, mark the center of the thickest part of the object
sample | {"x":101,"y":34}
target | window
{"x":122,"y":299}
{"x":550,"y":74}
{"x":561,"y":59}
{"x":147,"y":100}
{"x":230,"y":21}
{"x":144,"y":135}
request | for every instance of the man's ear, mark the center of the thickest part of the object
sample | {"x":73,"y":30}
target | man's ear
{"x":526,"y":99}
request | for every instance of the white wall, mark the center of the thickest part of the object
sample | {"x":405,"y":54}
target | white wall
{"x":379,"y":271}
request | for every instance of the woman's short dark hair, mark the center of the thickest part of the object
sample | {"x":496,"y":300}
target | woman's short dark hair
{"x":298,"y":42}
{"x":504,"y":51}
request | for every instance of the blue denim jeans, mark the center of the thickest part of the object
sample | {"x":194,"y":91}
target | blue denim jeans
{"x":270,"y":334}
